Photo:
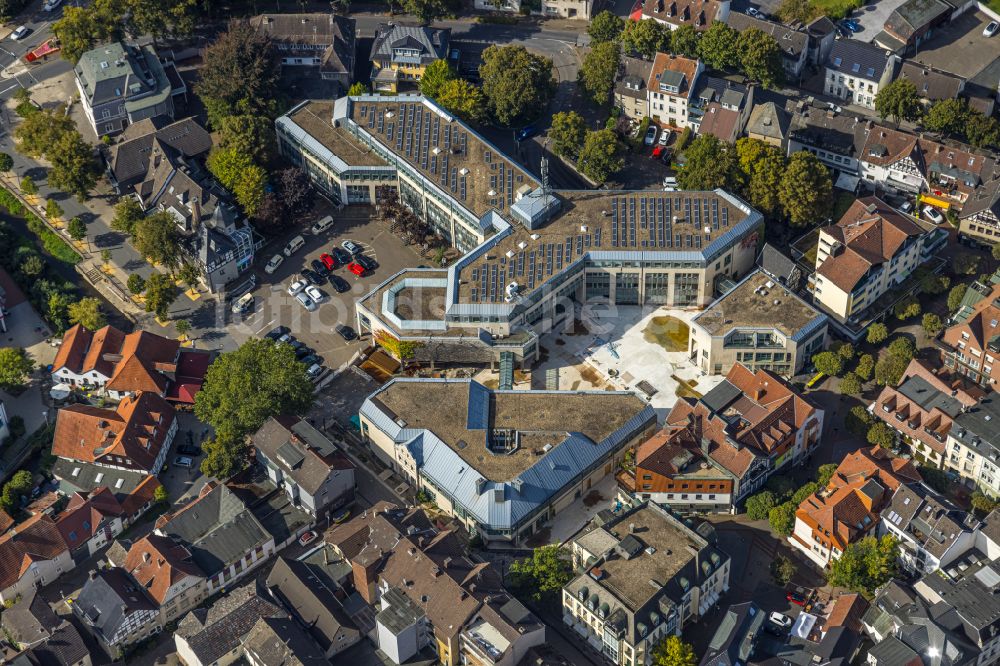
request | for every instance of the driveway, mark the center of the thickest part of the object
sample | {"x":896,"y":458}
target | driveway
{"x":959,"y":47}
{"x":872,"y":18}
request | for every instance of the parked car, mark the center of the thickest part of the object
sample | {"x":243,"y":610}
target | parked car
{"x":526,"y":133}
{"x":650,"y":137}
{"x":296,"y":287}
{"x":294,"y":246}
{"x":20,"y":33}
{"x":306,"y":302}
{"x":319,"y":268}
{"x":906,"y":207}
{"x":780,"y":619}
{"x":991,"y":29}
{"x":346,"y":332}
{"x":796,"y":598}
{"x":188,"y":450}
{"x":297,"y":345}
{"x":658,"y":152}
{"x":322,"y":225}
{"x":851,"y":25}
{"x":51,"y":5}
{"x":303,"y":352}
{"x":665,"y":137}
{"x":328,"y":262}
{"x":311,"y":360}
{"x":243,"y":304}
{"x":314,"y":370}
{"x":307,"y":538}
{"x":351,"y":247}
{"x":933,"y":214}
{"x":670,"y":181}
{"x":754,"y":13}
{"x":273,"y":264}
{"x":312,"y":276}
{"x":341,"y":255}
{"x":287,"y":338}
{"x":341,"y":517}
{"x":183,"y":461}
{"x":356,"y":268}
{"x":367,"y":263}
{"x":276,"y":333}
{"x":339,"y":284}
{"x":315,"y":294}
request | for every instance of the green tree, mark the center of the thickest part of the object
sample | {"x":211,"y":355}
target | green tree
{"x":684,"y":41}
{"x":798,"y":11}
{"x":245,"y":387}
{"x":357,"y":89}
{"x":160,"y":295}
{"x":982,"y":131}
{"x":829,"y":363}
{"x":718,"y":46}
{"x":995,"y":251}
{"x":760,"y":57}
{"x":955,"y":296}
{"x":425,"y":10}
{"x":15,"y":368}
{"x":53,"y":209}
{"x":931,"y":324}
{"x":6,"y":163}
{"x":155,"y":237}
{"x":758,"y":506}
{"x":240,"y":75}
{"x":39,"y":132}
{"x":858,"y":420}
{"x":762,"y":166}
{"x":82,"y":28}
{"x":160,"y":495}
{"x":544,"y":574}
{"x":87,"y":313}
{"x":782,"y":570}
{"x":223,"y":459}
{"x":464,"y":99}
{"x":77,"y":229}
{"x":600,"y":157}
{"x":237,"y":173}
{"x":136,"y":284}
{"x":106,"y":256}
{"x":906,"y":308}
{"x":947,"y":116}
{"x":845,"y":350}
{"x":825,"y":473}
{"x":597,"y":74}
{"x":889,"y":370}
{"x":18,"y":486}
{"x":128,"y":212}
{"x":898,"y":100}
{"x":517,"y":83}
{"x":877,"y":333}
{"x":965,"y":263}
{"x":32,"y":266}
{"x":710,"y":163}
{"x":183,"y":326}
{"x":28,"y":186}
{"x":605,"y":27}
{"x":567,"y":133}
{"x":865,"y":565}
{"x":249,"y":135}
{"x":865,"y":367}
{"x":982,"y":503}
{"x":881,"y":435}
{"x":935,"y":284}
{"x":806,"y":189}
{"x":644,"y":38}
{"x":672,"y":651}
{"x":434,"y":77}
{"x":782,"y":518}
{"x":189,"y":275}
{"x":74,"y":169}
{"x":850,"y":384}
{"x":903,"y":349}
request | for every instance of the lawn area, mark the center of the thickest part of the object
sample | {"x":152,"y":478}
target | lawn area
{"x":994,"y":5}
{"x":838,"y":9}
{"x":841,"y":202}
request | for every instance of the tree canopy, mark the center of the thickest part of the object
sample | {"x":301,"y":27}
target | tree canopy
{"x":684,"y":41}
{"x":605,"y":27}
{"x":160,"y":295}
{"x":517,"y":83}
{"x":597,"y":74}
{"x":760,"y":57}
{"x":249,"y":135}
{"x":464,"y":99}
{"x":644,"y":38}
{"x":719,"y":46}
{"x":672,"y":651}
{"x":128,"y":212}
{"x":543,"y":574}
{"x":600,"y":157}
{"x":806,"y":192}
{"x":15,"y":367}
{"x":898,"y":100}
{"x":155,"y":237}
{"x":434,"y":77}
{"x":710,"y":163}
{"x":87,"y":313}
{"x":865,"y":565}
{"x":567,"y":133}
{"x":238,"y":173}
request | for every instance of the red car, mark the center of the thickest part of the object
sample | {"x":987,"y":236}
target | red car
{"x":796,"y":598}
{"x":356,"y":268}
{"x":328,"y":261}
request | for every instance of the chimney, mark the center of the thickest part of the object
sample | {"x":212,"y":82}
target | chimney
{"x":631,"y":528}
{"x":420,"y":541}
{"x":759,"y":391}
{"x":446,"y":562}
{"x":146,"y":557}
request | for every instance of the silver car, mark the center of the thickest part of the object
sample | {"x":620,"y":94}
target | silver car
{"x":308,"y":303}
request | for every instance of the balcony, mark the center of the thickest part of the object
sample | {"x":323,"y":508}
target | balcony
{"x":483,"y":644}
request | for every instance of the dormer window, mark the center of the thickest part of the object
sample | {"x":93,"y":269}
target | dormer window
{"x":856,"y":67}
{"x":870,"y":72}
{"x":837,"y":60}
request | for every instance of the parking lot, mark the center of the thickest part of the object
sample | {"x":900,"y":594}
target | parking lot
{"x":960,"y":47}
{"x":275,"y":307}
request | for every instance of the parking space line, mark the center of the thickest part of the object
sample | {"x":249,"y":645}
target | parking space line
{"x":264,"y":326}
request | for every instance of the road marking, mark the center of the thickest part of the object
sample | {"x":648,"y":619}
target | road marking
{"x":265,"y":326}
{"x":16,"y":85}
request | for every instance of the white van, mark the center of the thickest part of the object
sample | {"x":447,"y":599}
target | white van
{"x":243,"y":303}
{"x":294,"y":245}
{"x":322,"y":225}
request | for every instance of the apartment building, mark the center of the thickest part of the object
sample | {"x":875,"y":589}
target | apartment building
{"x":973,"y":447}
{"x":720,"y":107}
{"x":570,"y":9}
{"x":932,"y":531}
{"x":932,"y":84}
{"x":642,"y":576}
{"x":536,"y":451}
{"x":759,"y":323}
{"x":115,"y":610}
{"x":671,"y":86}
{"x":631,"y":93}
{"x":870,"y":250}
{"x":970,"y":345}
{"x":857,"y":70}
{"x":912,"y":23}
{"x":32,"y":554}
{"x":848,"y":509}
{"x":769,"y":123}
{"x":401,"y":53}
{"x":92,"y":520}
{"x":323,"y":41}
{"x":699,"y":14}
{"x":979,"y":219}
{"x":836,"y":139}
{"x":794,"y":44}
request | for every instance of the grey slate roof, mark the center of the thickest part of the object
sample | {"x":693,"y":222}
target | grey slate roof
{"x":986,"y":197}
{"x":893,"y":652}
{"x":979,"y":427}
{"x":123,"y":71}
{"x":632,"y":76}
{"x":335,"y":33}
{"x":929,"y":519}
{"x":398,"y":611}
{"x":734,"y":638}
{"x":858,"y":59}
{"x":109,"y":598}
{"x":913,"y":15}
{"x":86,"y":479}
{"x":298,"y":449}
{"x":129,"y":157}
{"x":841,"y":133}
{"x":305,"y":596}
{"x":769,"y":120}
{"x":278,"y":641}
{"x":432,"y":43}
{"x":214,"y":631}
{"x":726,"y":92}
{"x":65,"y":647}
{"x":30,"y":620}
{"x":932,"y":84}
{"x":920,"y":391}
{"x":217,"y":528}
{"x":791,"y":42}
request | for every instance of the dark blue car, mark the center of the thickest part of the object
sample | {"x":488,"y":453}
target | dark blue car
{"x":526,"y":133}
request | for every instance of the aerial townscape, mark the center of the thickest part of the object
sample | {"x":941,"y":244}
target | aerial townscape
{"x":500,"y":332}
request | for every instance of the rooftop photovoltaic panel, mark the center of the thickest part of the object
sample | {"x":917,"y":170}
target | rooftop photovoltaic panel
{"x":510,"y":187}
{"x":447,"y":137}
{"x":461,"y":188}
{"x":597,"y":237}
{"x":520,"y":263}
{"x":454,"y":179}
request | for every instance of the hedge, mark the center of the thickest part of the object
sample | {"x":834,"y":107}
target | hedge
{"x":52,"y":244}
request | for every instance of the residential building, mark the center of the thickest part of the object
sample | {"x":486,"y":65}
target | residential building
{"x":276,"y":640}
{"x":226,"y":541}
{"x":932,"y":531}
{"x":143,"y":143}
{"x":715,"y":451}
{"x":48,"y":639}
{"x":857,"y":70}
{"x":973,"y":452}
{"x":224,"y":245}
{"x":769,"y":123}
{"x":835,"y":138}
{"x":631,"y":93}
{"x":167,"y":571}
{"x":642,"y":576}
{"x":504,"y":216}
{"x":848,"y":508}
{"x":136,"y":435}
{"x":307,"y":599}
{"x":32,"y":554}
{"x":932,"y":84}
{"x":401,"y":53}
{"x":325,"y":41}
{"x":674,"y":13}
{"x":822,"y":34}
{"x":307,"y":465}
{"x":671,"y":87}
{"x":571,"y":9}
{"x":131,"y":488}
{"x":794,"y":44}
{"x":115,"y":610}
{"x":922,"y":408}
{"x":212,"y":636}
{"x":760,"y":323}
{"x":735,"y":638}
{"x":971,"y":343}
{"x":979,"y":219}
{"x":121,"y":83}
{"x":92,"y":520}
{"x":870,"y":250}
{"x":912,"y":23}
{"x":117,"y":364}
{"x":503,"y":463}
{"x":430,"y":593}
{"x":721,"y":108}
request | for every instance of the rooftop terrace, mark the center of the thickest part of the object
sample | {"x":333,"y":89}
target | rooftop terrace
{"x":316,"y":119}
{"x":757,"y":302}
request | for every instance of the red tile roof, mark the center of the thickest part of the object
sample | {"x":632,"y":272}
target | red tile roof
{"x":36,"y":539}
{"x":158,"y":563}
{"x":698,"y":13}
{"x":719,"y":122}
{"x":668,"y":62}
{"x":83,"y":516}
